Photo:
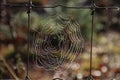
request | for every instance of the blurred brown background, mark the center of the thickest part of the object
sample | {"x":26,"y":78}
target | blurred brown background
{"x":106,"y":46}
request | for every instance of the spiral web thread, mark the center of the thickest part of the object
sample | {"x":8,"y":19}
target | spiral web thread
{"x":59,"y":41}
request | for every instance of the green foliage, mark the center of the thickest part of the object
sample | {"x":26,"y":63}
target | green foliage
{"x":85,"y":19}
{"x":5,"y":31}
{"x":21,"y":20}
{"x":86,"y":23}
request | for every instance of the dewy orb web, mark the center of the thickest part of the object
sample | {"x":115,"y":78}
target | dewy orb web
{"x":59,"y":41}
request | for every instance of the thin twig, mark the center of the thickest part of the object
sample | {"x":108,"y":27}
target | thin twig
{"x":9,"y":69}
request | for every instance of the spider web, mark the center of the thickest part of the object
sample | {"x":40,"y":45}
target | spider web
{"x":58,"y":42}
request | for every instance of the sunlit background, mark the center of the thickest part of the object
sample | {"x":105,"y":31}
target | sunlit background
{"x":106,"y":42}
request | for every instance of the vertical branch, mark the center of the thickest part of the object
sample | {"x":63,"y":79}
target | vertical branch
{"x":91,"y":41}
{"x":28,"y":38}
{"x":92,"y":30}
